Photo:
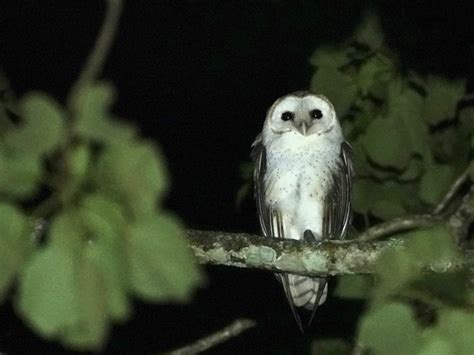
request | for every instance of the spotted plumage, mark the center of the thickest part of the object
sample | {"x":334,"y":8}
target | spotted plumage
{"x":302,"y":177}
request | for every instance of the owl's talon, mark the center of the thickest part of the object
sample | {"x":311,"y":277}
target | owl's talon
{"x":308,"y":236}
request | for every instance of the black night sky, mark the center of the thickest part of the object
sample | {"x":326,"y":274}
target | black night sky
{"x":197,"y":77}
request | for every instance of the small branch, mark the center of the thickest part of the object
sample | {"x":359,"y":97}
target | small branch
{"x":232,"y":330}
{"x":97,"y":57}
{"x":399,"y":225}
{"x":452,"y":192}
{"x":89,"y":73}
{"x":296,"y":257}
{"x":462,"y":218}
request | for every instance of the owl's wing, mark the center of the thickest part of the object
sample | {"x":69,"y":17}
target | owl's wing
{"x":259,"y":157}
{"x":337,"y":203}
{"x":337,"y":206}
{"x":271,"y":221}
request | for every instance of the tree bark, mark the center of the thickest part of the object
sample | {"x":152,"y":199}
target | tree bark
{"x":297,"y":257}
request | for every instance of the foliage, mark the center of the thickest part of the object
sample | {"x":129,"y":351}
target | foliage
{"x":411,"y":140}
{"x":98,"y":186}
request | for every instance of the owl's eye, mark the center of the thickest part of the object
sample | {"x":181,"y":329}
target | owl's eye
{"x":287,"y":116}
{"x":316,"y":114}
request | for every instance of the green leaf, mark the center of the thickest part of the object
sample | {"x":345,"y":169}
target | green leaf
{"x":94,"y":120}
{"x":405,"y":108}
{"x":391,"y":141}
{"x":390,"y":330}
{"x":431,"y":247}
{"x":20,"y":174}
{"x":135,"y":173}
{"x":395,"y":269}
{"x":436,"y":182}
{"x":386,"y":145}
{"x":384,"y":200}
{"x":105,"y":222}
{"x":361,"y":196}
{"x":361,"y":162}
{"x":436,"y":344}
{"x":466,"y":120}
{"x":369,"y":32}
{"x":79,"y":161}
{"x":14,"y":245}
{"x":70,"y":289}
{"x":67,"y":233}
{"x":374,"y":74}
{"x":353,"y":286}
{"x":47,"y":297}
{"x":386,"y":209}
{"x":162,"y":267}
{"x":451,"y":145}
{"x":447,"y":287}
{"x":93,"y":105}
{"x":92,"y":327}
{"x":328,"y":56}
{"x":338,"y":87}
{"x":42,"y":127}
{"x":442,"y":98}
{"x":330,"y":347}
{"x":413,"y":170}
{"x":458,"y":325}
{"x":452,"y":333}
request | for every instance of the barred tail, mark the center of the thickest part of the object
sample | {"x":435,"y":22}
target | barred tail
{"x":305,"y":291}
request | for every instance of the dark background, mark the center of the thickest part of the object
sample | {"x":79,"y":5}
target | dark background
{"x":197,"y":77}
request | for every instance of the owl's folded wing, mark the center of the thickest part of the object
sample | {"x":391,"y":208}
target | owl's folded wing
{"x":271,"y":221}
{"x":337,"y":203}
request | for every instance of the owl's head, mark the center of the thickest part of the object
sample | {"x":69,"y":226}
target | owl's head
{"x":301,"y":112}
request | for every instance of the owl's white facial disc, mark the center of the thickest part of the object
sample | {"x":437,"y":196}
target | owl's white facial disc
{"x":305,"y":114}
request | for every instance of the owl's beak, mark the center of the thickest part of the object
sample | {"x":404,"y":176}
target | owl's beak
{"x":303,"y":128}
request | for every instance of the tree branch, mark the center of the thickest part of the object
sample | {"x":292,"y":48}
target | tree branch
{"x":399,"y":225}
{"x":357,"y":256}
{"x":452,"y":192}
{"x":232,"y":330}
{"x":296,"y":257}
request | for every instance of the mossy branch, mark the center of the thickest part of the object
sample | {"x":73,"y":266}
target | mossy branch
{"x":298,"y":257}
{"x":356,"y":256}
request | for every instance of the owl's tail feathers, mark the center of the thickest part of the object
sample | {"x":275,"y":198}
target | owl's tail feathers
{"x":302,"y":291}
{"x":307,"y":292}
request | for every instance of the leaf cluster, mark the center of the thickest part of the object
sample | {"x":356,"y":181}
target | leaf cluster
{"x":93,"y":189}
{"x":410,"y":137}
{"x":411,"y":140}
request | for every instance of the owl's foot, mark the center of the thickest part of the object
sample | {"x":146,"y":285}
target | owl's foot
{"x":308,"y":236}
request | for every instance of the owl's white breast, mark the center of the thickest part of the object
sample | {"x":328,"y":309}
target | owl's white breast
{"x":297,"y":177}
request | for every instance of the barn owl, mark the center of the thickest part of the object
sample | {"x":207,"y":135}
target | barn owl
{"x":303,"y":173}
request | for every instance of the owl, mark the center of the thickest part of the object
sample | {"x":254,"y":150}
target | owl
{"x":303,"y":177}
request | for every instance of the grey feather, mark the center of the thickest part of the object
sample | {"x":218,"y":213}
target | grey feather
{"x":337,"y":207}
{"x":271,"y":222}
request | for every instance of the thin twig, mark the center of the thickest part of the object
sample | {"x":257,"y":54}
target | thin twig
{"x":232,"y":330}
{"x":97,"y":57}
{"x":399,"y":224}
{"x":89,"y":73}
{"x":463,"y":217}
{"x":452,"y":192}
{"x":416,"y":221}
